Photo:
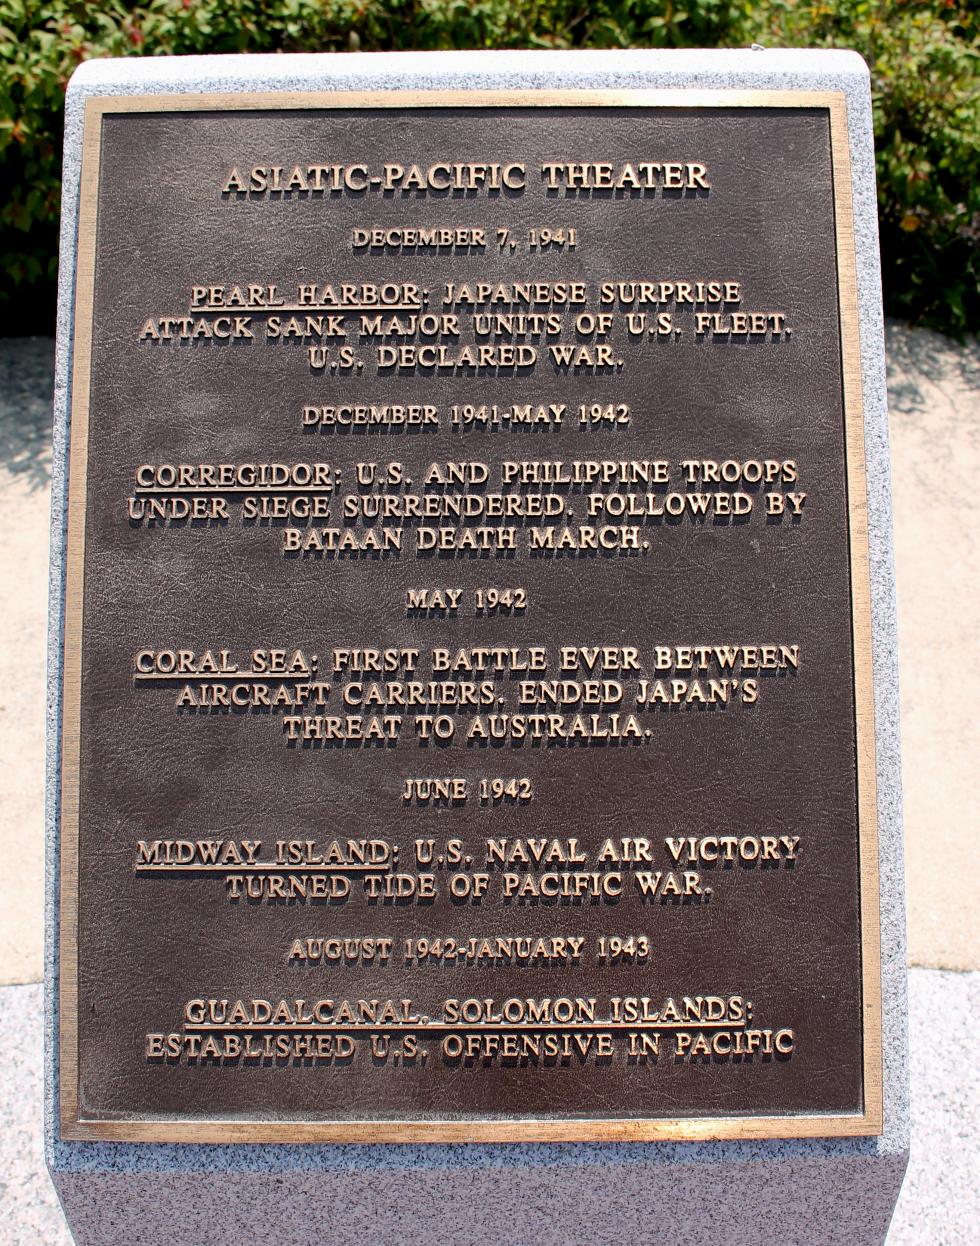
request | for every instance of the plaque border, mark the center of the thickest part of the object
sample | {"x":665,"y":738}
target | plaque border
{"x":74,"y":1126}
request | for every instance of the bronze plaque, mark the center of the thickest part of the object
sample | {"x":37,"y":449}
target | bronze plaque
{"x":467,"y":720}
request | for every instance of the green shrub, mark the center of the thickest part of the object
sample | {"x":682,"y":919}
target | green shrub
{"x":925,"y":82}
{"x":924,"y":70}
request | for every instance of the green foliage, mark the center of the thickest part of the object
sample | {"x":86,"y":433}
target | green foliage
{"x":923,"y":57}
{"x":925,"y":82}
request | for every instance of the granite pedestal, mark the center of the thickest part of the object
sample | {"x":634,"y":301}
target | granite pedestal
{"x":824,"y":1191}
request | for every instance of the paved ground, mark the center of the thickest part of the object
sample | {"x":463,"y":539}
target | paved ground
{"x":934,"y":389}
{"x":25,"y":430}
{"x":934,"y":399}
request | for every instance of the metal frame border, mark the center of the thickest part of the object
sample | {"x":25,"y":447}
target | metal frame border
{"x":476,"y":1130}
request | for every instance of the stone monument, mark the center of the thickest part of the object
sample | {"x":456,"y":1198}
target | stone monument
{"x":474,"y":800}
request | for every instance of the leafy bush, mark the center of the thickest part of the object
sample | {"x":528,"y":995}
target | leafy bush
{"x":925,"y":82}
{"x":924,"y":61}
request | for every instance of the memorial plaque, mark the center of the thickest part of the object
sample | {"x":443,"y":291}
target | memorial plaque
{"x":467,"y":726}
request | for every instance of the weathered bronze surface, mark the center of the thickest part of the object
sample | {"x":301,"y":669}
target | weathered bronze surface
{"x":553,"y":817}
